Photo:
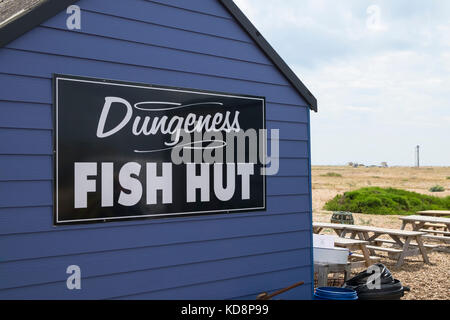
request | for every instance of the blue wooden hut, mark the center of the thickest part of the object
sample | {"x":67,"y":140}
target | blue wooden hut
{"x":203,"y":44}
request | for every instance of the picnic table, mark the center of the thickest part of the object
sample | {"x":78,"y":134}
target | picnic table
{"x":401,"y":238}
{"x":434,"y":213}
{"x":420,"y":223}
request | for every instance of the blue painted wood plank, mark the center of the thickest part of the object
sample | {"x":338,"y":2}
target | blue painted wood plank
{"x":29,"y":193}
{"x":129,"y":283}
{"x":23,"y":115}
{"x":286,"y":113}
{"x":105,"y":263}
{"x":13,"y":167}
{"x":293,"y":167}
{"x":204,"y":6}
{"x":157,"y":14}
{"x":26,"y":219}
{"x":49,"y":244}
{"x":101,"y":48}
{"x":136,"y":31}
{"x":25,"y":141}
{"x":40,"y":219}
{"x":238,"y":287}
{"x":19,"y":88}
{"x":285,"y":186}
{"x":292,"y":149}
{"x":290,"y":131}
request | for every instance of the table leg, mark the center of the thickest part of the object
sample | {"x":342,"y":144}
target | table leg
{"x":418,"y":226}
{"x":347,"y":272}
{"x":366,"y":254}
{"x":397,"y":240}
{"x":404,"y":251}
{"x":322,"y":276}
{"x":422,"y":249}
{"x":365,"y":236}
{"x":404,"y":223}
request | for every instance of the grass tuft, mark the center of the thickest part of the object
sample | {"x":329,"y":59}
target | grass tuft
{"x":332,"y":174}
{"x":437,"y":188}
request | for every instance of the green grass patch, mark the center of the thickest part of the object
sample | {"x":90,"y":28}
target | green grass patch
{"x":386,"y":201}
{"x":332,"y":174}
{"x":448,"y":178}
{"x":437,"y":188}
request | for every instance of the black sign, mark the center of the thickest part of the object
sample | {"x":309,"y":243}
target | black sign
{"x":127,"y":150}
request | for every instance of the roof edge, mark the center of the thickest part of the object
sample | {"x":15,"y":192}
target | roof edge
{"x":270,"y":52}
{"x":31,"y":19}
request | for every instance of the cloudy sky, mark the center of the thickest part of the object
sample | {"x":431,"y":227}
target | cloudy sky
{"x":380,"y":70}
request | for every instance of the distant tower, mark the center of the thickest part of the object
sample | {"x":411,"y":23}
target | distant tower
{"x":418,"y":156}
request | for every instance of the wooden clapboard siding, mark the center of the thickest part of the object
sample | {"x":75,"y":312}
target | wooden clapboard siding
{"x":16,"y":220}
{"x":203,"y":257}
{"x":135,"y":282}
{"x":273,"y":93}
{"x":119,"y":28}
{"x":238,"y":286}
{"x":134,"y":259}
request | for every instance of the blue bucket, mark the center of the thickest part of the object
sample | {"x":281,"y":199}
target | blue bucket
{"x":332,"y":293}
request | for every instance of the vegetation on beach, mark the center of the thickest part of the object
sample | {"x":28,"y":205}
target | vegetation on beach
{"x":332,"y":174}
{"x":437,"y":188}
{"x":386,"y":201}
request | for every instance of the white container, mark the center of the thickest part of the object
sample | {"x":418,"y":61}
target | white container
{"x":331,"y":255}
{"x":323,"y":241}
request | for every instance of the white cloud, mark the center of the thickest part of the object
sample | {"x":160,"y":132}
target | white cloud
{"x":382,"y":83}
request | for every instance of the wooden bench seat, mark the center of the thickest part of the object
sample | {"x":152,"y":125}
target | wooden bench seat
{"x":434,"y":225}
{"x":357,"y":255}
{"x":426,"y":245}
{"x":445,"y":233}
{"x":439,"y":238}
{"x":390,"y":250}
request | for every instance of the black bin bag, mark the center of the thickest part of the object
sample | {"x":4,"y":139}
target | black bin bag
{"x":390,"y":288}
